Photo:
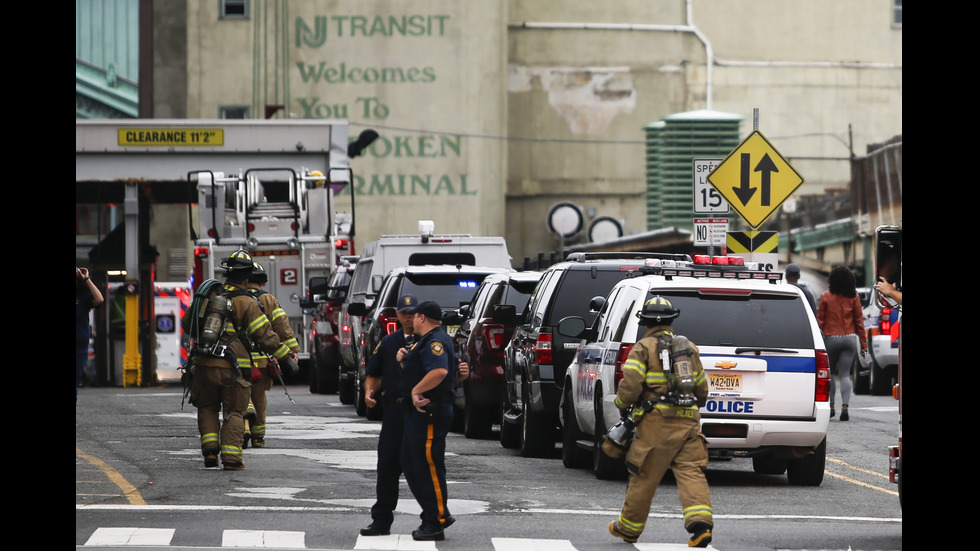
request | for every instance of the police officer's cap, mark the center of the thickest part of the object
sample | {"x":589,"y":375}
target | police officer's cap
{"x":658,"y":310}
{"x":429,"y":309}
{"x":407,"y":304}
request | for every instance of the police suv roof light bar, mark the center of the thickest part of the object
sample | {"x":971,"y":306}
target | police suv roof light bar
{"x":721,"y":267}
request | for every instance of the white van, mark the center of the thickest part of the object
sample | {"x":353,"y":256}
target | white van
{"x":394,"y":251}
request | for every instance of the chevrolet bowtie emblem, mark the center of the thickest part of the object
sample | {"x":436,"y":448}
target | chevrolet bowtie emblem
{"x":726,"y":364}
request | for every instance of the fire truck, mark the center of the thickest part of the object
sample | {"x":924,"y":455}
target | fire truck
{"x":285,"y":218}
{"x":888,"y":265}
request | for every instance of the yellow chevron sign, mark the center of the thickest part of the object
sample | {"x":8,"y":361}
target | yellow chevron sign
{"x":753,"y":242}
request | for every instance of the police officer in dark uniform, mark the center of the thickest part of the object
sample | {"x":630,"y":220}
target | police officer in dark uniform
{"x":429,"y":371}
{"x":384,"y":374}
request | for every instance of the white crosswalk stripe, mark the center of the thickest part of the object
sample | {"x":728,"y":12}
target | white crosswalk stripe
{"x":130,"y":537}
{"x":278,"y":539}
{"x":282,"y":539}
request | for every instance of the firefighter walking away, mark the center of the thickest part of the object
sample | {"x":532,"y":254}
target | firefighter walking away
{"x":224,"y":322}
{"x":662,"y":388}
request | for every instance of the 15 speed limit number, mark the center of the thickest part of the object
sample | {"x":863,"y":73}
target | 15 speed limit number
{"x":707,"y":200}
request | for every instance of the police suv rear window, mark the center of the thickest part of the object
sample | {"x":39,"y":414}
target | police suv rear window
{"x":449,"y":290}
{"x":577,"y":289}
{"x":759,"y":319}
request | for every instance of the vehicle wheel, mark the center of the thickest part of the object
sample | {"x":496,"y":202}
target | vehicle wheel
{"x":767,"y":464}
{"x":477,"y":423}
{"x":862,"y":383}
{"x":314,"y":388}
{"x":537,"y":440}
{"x":510,"y":435}
{"x":603,"y":466}
{"x":881,"y":381}
{"x":359,"y":405}
{"x":808,"y":471}
{"x":346,"y":392}
{"x":571,"y":456}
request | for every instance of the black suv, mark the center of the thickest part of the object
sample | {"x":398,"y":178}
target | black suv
{"x":450,"y":286}
{"x":537,"y":356}
{"x":486,"y":326}
{"x":326,"y":295}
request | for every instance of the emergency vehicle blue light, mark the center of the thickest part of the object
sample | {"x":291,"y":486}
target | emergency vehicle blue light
{"x":467,"y":284}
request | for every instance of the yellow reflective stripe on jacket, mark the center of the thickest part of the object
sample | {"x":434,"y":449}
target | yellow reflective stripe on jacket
{"x":282,"y":351}
{"x":278,"y":313}
{"x":257,"y":324}
{"x":619,"y":403}
{"x":655,"y":377}
{"x":635,"y":365}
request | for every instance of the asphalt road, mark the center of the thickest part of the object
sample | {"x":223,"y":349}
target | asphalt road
{"x":140,"y":482}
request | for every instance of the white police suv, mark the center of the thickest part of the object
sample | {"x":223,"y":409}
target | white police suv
{"x":763,"y":354}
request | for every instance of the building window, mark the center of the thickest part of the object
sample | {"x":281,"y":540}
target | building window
{"x":233,"y":9}
{"x":233,"y":112}
{"x":897,"y":13}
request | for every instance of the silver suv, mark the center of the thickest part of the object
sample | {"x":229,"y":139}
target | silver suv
{"x":763,"y":354}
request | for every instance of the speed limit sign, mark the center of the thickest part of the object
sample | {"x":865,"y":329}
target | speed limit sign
{"x":707,"y":200}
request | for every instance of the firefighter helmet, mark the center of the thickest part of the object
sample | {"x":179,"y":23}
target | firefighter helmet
{"x":658,"y":310}
{"x":258,"y":274}
{"x":238,"y":264}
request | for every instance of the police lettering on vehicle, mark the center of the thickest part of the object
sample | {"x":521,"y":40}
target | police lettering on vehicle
{"x":728,"y":406}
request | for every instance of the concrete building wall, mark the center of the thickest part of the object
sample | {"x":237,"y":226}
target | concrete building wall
{"x":487,"y":121}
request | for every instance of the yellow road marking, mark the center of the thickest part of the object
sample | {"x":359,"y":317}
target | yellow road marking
{"x":858,"y":482}
{"x":128,"y":489}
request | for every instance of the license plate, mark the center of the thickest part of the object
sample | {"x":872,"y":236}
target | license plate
{"x":451,"y":330}
{"x":724,"y":382}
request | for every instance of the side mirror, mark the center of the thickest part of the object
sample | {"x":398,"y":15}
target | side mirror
{"x":451,"y":318}
{"x":505,"y":313}
{"x":596,"y":304}
{"x":306,"y":302}
{"x":572,"y":326}
{"x":376,"y":283}
{"x":319,"y":285}
{"x":356,"y":309}
{"x":888,"y":261}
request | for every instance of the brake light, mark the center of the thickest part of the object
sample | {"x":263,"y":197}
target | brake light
{"x":389,"y":323}
{"x":822,"y":392}
{"x":885,"y":319}
{"x":624,"y":352}
{"x":494,"y":335}
{"x":542,"y":348}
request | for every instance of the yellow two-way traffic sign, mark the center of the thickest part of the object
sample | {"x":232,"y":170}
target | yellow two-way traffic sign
{"x":755,"y":179}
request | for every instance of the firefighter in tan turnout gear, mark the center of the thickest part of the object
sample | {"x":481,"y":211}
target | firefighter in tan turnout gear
{"x":224,"y":321}
{"x":662,"y":388}
{"x":262,"y":377}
